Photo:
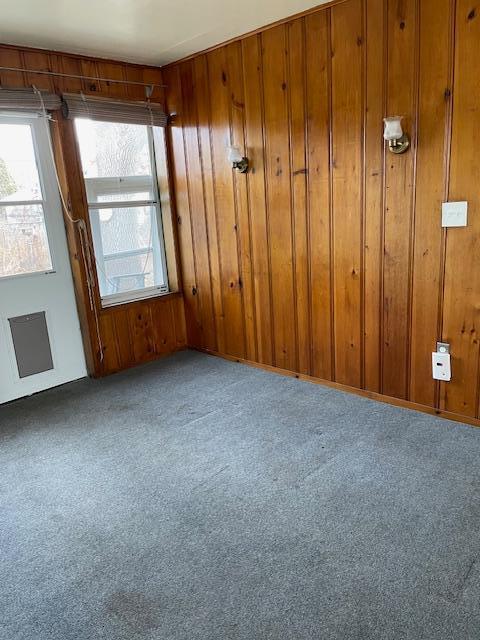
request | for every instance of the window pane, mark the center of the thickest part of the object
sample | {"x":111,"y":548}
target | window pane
{"x":18,"y":167}
{"x":23,"y":240}
{"x":117,"y":167}
{"x":112,"y":149}
{"x":127,"y":249}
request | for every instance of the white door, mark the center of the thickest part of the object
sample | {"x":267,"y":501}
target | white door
{"x":40,"y":340}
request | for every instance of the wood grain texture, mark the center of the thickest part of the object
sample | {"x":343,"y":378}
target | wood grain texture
{"x":278,"y":169}
{"x":116,"y":337}
{"x":399,"y":189}
{"x":430,"y":190}
{"x":347,"y":174}
{"x":260,"y":247}
{"x":197,"y":221}
{"x":298,"y":179}
{"x":319,"y":191}
{"x":221,"y":106}
{"x":327,"y":259}
{"x":462,"y":273}
{"x":345,"y":250}
{"x":373,"y":197}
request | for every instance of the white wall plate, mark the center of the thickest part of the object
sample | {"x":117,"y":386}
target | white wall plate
{"x":454,"y":214}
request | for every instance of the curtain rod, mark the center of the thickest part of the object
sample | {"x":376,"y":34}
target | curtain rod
{"x":68,"y":75}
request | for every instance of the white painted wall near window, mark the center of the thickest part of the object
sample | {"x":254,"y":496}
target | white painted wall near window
{"x":37,"y":303}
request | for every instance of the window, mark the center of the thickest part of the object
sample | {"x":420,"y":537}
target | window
{"x":24,"y":247}
{"x":124,"y":208}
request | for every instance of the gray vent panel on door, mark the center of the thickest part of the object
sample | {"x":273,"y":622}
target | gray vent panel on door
{"x":31,"y":343}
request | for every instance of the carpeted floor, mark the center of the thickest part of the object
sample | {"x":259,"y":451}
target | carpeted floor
{"x":198,"y":499}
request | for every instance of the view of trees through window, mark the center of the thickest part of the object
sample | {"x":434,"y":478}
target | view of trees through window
{"x":117,"y":167}
{"x":23,"y":237}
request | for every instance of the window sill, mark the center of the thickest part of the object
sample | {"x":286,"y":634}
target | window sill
{"x":146,"y":296}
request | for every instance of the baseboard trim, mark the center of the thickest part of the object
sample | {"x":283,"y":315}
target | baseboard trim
{"x":380,"y":397}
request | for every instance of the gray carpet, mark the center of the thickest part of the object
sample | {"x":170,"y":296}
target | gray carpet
{"x":198,"y":499}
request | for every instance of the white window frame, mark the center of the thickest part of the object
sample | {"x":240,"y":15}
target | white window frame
{"x":47,"y":183}
{"x":121,"y":184}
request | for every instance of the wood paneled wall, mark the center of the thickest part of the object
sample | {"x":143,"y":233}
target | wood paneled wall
{"x":328,"y":257}
{"x":115,"y":337}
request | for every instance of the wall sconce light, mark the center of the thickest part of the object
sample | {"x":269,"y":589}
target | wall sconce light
{"x":238,"y":161}
{"x":398,"y":142}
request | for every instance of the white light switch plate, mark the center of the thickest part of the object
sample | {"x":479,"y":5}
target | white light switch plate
{"x":454,"y":214}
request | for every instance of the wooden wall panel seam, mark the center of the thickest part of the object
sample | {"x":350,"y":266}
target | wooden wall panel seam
{"x":237,"y":177}
{"x":307,"y":200}
{"x":330,"y":195}
{"x":446,"y":184}
{"x":374,"y":188}
{"x":267,"y":207}
{"x":220,"y":335}
{"x":384,"y":191}
{"x":221,"y":127}
{"x":219,"y":256}
{"x":292,"y":197}
{"x":201,"y":154}
{"x":256,"y":199}
{"x":363,"y":193}
{"x":196,"y":303}
{"x":414,"y":147}
{"x":249,"y":212}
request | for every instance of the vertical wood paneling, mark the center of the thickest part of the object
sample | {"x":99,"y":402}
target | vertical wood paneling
{"x":122,"y":338}
{"x":198,"y":226}
{"x":163,"y":322}
{"x":318,"y":61}
{"x":11,"y":58}
{"x":113,"y":71}
{"x":375,"y":69}
{"x":111,"y":359}
{"x":208,"y":178}
{"x":154,"y":76}
{"x":177,"y":319}
{"x":298,"y":161}
{"x":135,"y":74}
{"x":462,"y":272}
{"x":434,"y":103}
{"x":329,"y":236}
{"x":142,"y":333}
{"x":402,"y":46}
{"x":182,"y":199}
{"x":235,"y":74}
{"x":220,"y":122}
{"x":353,"y":275}
{"x":89,"y":70}
{"x":254,"y":142}
{"x":277,"y":158}
{"x":66,"y":64}
{"x":40,"y":62}
{"x":347,"y":174}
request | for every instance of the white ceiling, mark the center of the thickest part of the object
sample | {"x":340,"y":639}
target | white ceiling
{"x":144,"y":31}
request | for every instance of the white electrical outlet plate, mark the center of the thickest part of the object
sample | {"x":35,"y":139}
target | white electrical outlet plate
{"x":454,"y":214}
{"x":441,"y":367}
